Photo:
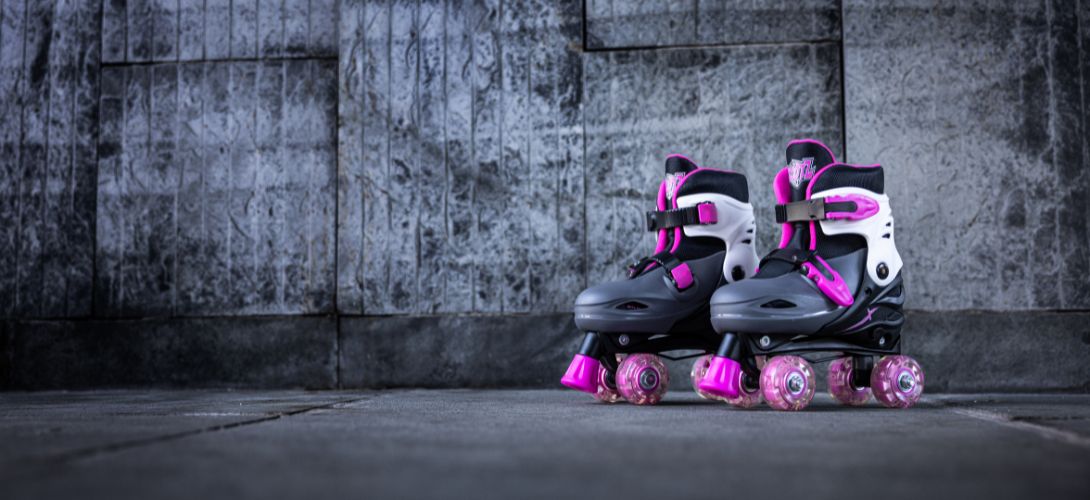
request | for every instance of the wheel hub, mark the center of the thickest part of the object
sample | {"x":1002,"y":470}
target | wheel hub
{"x":795,"y":383}
{"x":610,"y":380}
{"x":750,"y":384}
{"x":906,"y":382}
{"x":648,"y":379}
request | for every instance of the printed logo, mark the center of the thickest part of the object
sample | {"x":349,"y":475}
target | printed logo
{"x":800,"y":171}
{"x":671,"y":185}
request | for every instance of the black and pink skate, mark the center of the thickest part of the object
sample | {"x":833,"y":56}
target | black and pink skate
{"x":832,"y":287}
{"x":704,"y":224}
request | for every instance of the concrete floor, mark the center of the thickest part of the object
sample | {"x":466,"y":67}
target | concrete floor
{"x":532,"y":444}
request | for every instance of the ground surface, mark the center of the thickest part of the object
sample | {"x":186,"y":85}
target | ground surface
{"x":541,"y":444}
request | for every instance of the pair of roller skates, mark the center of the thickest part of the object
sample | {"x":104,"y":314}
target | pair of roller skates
{"x":831,"y":289}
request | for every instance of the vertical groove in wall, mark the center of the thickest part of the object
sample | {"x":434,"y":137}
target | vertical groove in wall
{"x":586,"y":159}
{"x":843,"y":87}
{"x":20,"y":86}
{"x":336,"y":189}
{"x":502,"y":127}
{"x":1084,"y":60}
{"x":337,"y":380}
{"x":447,"y":235}
{"x":473,"y":149}
{"x":1052,"y":120}
{"x":418,"y":119}
{"x":584,"y":28}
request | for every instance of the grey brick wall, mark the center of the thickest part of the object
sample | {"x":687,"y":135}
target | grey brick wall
{"x":322,"y":193}
{"x":980,"y":110}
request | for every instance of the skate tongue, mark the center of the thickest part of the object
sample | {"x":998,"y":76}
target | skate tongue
{"x":804,"y":158}
{"x":677,"y":166}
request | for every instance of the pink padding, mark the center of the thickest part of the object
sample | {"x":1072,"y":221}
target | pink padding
{"x":582,"y":374}
{"x":834,"y":287}
{"x":683,"y":277}
{"x":706,"y":213}
{"x":782,"y":187}
{"x":661,"y":203}
{"x":722,"y":378}
{"x":864,"y":207}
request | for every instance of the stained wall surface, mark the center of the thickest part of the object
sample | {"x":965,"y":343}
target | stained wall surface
{"x":314,"y":178}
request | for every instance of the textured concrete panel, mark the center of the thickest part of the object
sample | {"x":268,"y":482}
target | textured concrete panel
{"x":214,"y":352}
{"x":960,"y":352}
{"x":48,"y":89}
{"x":56,"y":424}
{"x":461,"y":157}
{"x":733,"y":108}
{"x":187,"y":30}
{"x":216,"y":189}
{"x":1014,"y":351}
{"x":504,"y":444}
{"x":620,"y":24}
{"x":979,"y":113}
{"x":456,"y":351}
{"x":5,"y":356}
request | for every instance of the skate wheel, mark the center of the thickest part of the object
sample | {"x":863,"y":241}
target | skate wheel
{"x":607,"y":387}
{"x":700,"y":367}
{"x":787,"y":383}
{"x":642,"y":379}
{"x":747,"y":398}
{"x":897,"y":381}
{"x":840,"y":384}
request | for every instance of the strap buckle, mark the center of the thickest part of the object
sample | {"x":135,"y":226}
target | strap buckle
{"x":702,"y":213}
{"x":849,"y":206}
{"x":801,"y":211}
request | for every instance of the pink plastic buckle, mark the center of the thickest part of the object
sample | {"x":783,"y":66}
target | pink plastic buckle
{"x":683,"y":276}
{"x":833,"y":287}
{"x":864,"y":207}
{"x":706,"y":213}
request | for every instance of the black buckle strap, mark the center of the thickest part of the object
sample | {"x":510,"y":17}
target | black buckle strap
{"x":677,"y":271}
{"x":664,"y":259}
{"x":666,"y":219}
{"x":810,"y":210}
{"x":792,"y":256}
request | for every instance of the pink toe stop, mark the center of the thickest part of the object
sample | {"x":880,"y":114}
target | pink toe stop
{"x":722,"y":377}
{"x":582,"y":374}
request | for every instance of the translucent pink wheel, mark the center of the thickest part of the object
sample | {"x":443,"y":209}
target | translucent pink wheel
{"x":897,"y":381}
{"x":607,"y":387}
{"x":840,"y":383}
{"x":700,"y":367}
{"x":642,"y":379}
{"x":787,"y":383}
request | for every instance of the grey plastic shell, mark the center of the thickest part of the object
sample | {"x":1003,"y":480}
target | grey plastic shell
{"x":597,"y":308}
{"x":742,"y":307}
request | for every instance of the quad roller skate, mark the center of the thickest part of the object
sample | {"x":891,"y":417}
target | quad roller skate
{"x":833,"y":287}
{"x":705,"y":230}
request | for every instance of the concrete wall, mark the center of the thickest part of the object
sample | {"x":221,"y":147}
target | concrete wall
{"x":365,"y":193}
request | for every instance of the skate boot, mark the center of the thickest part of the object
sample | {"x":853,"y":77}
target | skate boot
{"x":705,"y":230}
{"x":833,"y":286}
